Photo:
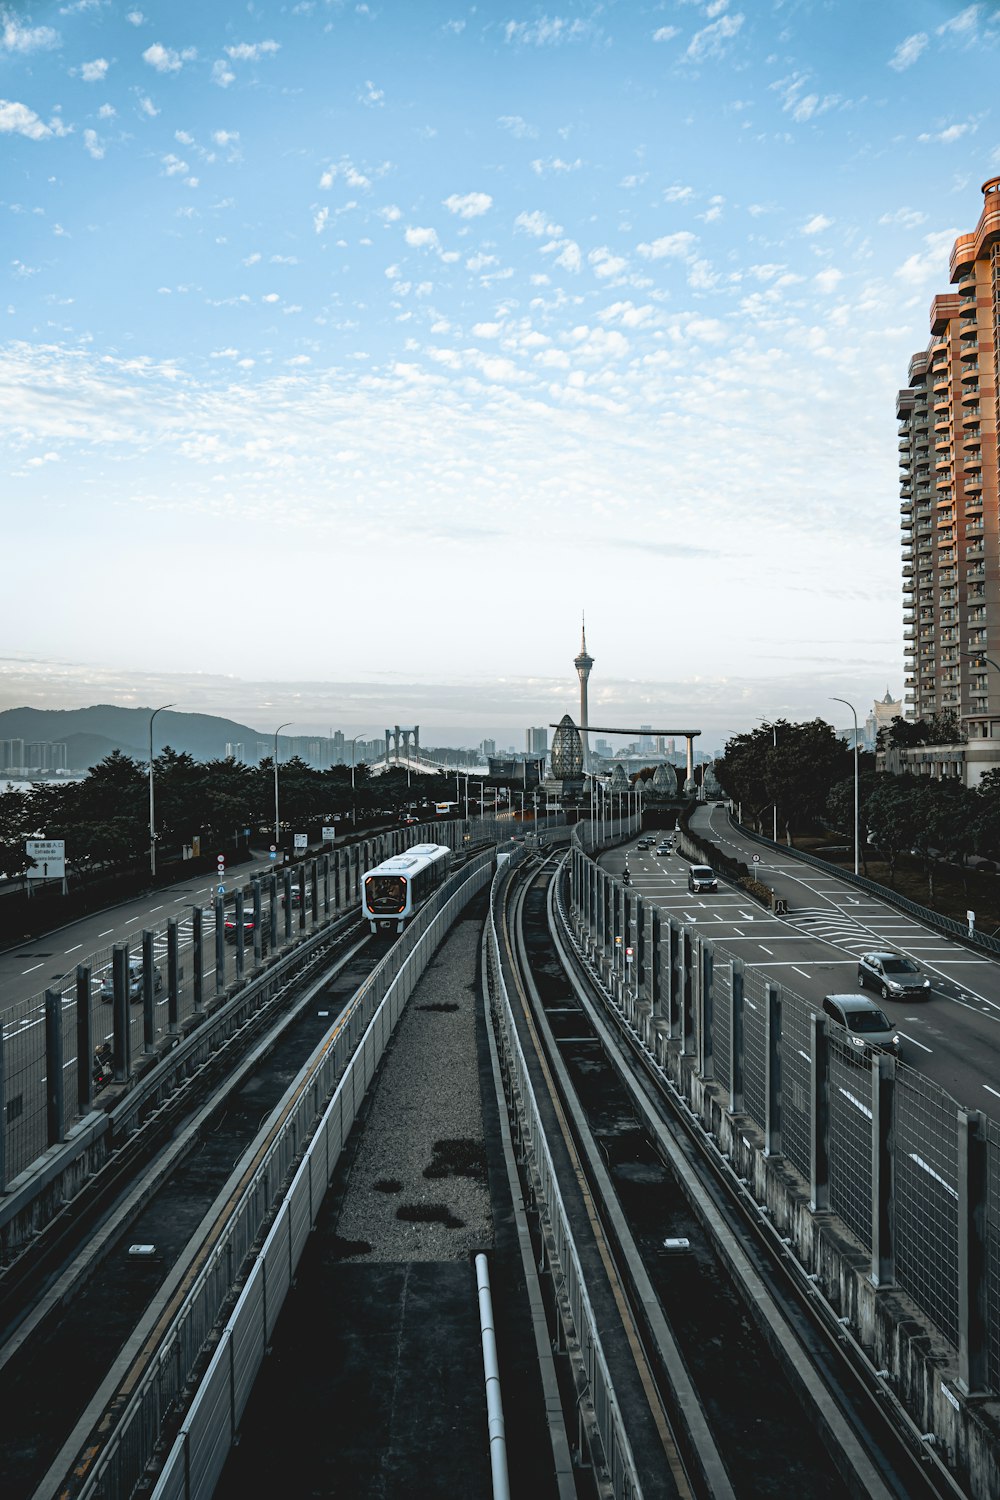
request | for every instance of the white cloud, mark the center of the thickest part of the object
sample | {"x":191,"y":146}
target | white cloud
{"x":252,"y":51}
{"x":829,"y":280}
{"x":487,"y":330}
{"x":946,"y":137}
{"x":569,"y":256}
{"x":910,"y":218}
{"x":147,"y":106}
{"x":16,"y":38}
{"x":711,"y":40}
{"x":106,"y":112}
{"x":536,"y":223}
{"x":222,"y":74}
{"x":547,"y":32}
{"x":320,"y":220}
{"x":271,"y":297}
{"x":908,"y":51}
{"x":225,"y":137}
{"x":372,"y":96}
{"x":166,"y":60}
{"x":666,"y":33}
{"x":677,"y":193}
{"x":605,"y":264}
{"x":679,"y":244}
{"x":348,"y":171}
{"x":469,"y":205}
{"x":962,"y":24}
{"x":96,"y":71}
{"x":932,"y":263}
{"x":18,"y":119}
{"x":93,"y":144}
{"x":172,"y":165}
{"x":518,"y":127}
{"x":555,"y":164}
{"x":135,"y":17}
{"x":816,"y":224}
{"x":422,"y":239}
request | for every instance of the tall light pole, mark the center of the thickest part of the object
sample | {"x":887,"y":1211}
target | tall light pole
{"x":277,"y":825}
{"x":152,"y":822}
{"x":353,"y":743}
{"x":855,"y":713}
{"x":774,"y":806}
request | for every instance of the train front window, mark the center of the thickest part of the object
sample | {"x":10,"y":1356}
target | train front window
{"x":386,"y":893}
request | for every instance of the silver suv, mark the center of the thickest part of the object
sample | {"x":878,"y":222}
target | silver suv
{"x":702,"y":878}
{"x":868,"y":1028}
{"x":894,"y":976}
{"x":134,"y":983}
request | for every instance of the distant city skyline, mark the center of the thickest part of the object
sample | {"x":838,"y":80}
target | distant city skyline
{"x":368,"y":344}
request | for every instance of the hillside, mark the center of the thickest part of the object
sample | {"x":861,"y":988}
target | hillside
{"x":92,"y":733}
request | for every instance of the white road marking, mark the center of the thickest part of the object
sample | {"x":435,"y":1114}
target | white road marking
{"x":801,"y":971}
{"x":907,"y":1038}
{"x":73,"y":949}
{"x":106,"y":934}
{"x":31,"y":970}
{"x":765,"y":950}
{"x":991,"y":1091}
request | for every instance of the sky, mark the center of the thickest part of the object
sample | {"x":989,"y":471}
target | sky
{"x":351,"y":351}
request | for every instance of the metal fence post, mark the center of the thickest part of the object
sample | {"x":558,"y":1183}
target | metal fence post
{"x":326,"y":885}
{"x":220,"y":945}
{"x":122,"y":1039}
{"x":706,"y":1013}
{"x":197,"y":959}
{"x":287,"y":901}
{"x":258,"y":936}
{"x":272,"y":908}
{"x":54,"y":1087}
{"x":736,"y":1039}
{"x":772,"y":1070}
{"x":148,"y":991}
{"x":883,"y":1084}
{"x":302,"y":896}
{"x":173,"y":978}
{"x":240,"y":951}
{"x":3,"y":1116}
{"x":84,"y":1041}
{"x":655,"y":959}
{"x":640,"y":945}
{"x":685,"y":995}
{"x":819,"y":1114}
{"x":675,"y":984}
{"x":973,"y":1253}
{"x":314,"y":891}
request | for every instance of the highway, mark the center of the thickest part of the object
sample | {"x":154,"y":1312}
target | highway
{"x":950,"y":1037}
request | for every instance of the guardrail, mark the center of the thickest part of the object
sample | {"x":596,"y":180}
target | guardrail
{"x":351,"y":1052}
{"x":621,"y":1469}
{"x":912,"y":1176}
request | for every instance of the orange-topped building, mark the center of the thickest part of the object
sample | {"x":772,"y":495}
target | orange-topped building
{"x":950,"y":504}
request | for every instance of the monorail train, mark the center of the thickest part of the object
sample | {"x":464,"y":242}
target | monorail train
{"x":395,"y":890}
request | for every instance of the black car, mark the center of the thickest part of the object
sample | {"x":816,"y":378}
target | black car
{"x":893,"y":975}
{"x":868,"y":1028}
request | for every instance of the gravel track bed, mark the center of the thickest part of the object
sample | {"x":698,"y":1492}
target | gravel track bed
{"x":426,"y":1112}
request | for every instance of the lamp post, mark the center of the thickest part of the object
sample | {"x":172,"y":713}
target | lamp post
{"x":277,"y":825}
{"x":152,"y":822}
{"x":855,"y":713}
{"x":774,"y":806}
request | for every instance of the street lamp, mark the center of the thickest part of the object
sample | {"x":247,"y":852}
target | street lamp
{"x":277,"y":838}
{"x":855,"y":713}
{"x":774,"y":805}
{"x":152,"y":823}
{"x":353,"y":743}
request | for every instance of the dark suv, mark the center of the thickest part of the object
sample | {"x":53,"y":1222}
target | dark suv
{"x":868,"y":1028}
{"x":895,"y":977}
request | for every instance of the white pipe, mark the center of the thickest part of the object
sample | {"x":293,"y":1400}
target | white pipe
{"x":491,"y":1368}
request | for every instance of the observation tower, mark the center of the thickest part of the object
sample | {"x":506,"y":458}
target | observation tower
{"x":583,"y":664}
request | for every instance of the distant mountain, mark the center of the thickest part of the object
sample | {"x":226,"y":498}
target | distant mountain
{"x":92,"y":733}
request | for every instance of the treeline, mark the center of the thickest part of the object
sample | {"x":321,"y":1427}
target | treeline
{"x":104,"y":818}
{"x":807,"y":773}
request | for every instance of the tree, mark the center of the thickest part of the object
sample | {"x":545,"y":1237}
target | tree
{"x":788,"y":766}
{"x":893,"y":813}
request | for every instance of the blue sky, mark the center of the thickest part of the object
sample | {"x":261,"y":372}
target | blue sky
{"x":351,"y":350}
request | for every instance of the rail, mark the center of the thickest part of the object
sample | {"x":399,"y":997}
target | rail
{"x":332,"y":1088}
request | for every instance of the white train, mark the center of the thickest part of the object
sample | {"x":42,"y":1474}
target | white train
{"x":395,"y":890}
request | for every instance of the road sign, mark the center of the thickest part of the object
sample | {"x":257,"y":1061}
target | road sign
{"x":273,"y":854}
{"x":756,"y":859}
{"x":221,"y":890}
{"x":329,"y":834}
{"x":302,"y":841}
{"x":618,"y":942}
{"x":628,"y":955}
{"x":50,"y":859}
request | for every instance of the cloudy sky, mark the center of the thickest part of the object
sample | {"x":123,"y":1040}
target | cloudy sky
{"x":369,"y":344}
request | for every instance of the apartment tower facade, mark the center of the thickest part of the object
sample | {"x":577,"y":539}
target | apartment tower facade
{"x":950,"y":502}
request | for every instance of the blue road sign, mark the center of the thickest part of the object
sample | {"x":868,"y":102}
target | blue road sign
{"x":272,"y":855}
{"x":221,"y":890}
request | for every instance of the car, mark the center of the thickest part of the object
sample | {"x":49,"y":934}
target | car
{"x":868,"y":1027}
{"x":134,"y":983}
{"x":664,"y":848}
{"x":702,"y":878}
{"x":893,"y":975}
{"x":296,"y":896}
{"x":644,"y":844}
{"x":229,"y":931}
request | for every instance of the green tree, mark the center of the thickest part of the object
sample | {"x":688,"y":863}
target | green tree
{"x":788,"y":766}
{"x":893,"y":813}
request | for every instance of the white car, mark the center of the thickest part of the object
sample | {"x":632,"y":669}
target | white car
{"x":134,"y":983}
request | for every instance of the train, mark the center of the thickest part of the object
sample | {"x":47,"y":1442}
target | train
{"x":394,"y":891}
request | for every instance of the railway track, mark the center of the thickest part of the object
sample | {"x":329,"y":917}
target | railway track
{"x":730,"y":1383}
{"x":86,"y":1312}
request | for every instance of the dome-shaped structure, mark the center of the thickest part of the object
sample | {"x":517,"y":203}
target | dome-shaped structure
{"x":566,"y":755}
{"x":619,"y":781}
{"x":665,"y":781}
{"x":710,"y":782}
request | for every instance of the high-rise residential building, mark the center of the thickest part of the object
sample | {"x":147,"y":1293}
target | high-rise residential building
{"x":488,"y":747}
{"x":536,"y":741}
{"x":949,"y":501}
